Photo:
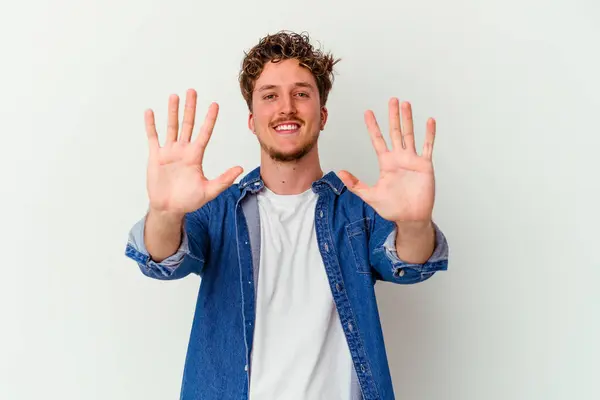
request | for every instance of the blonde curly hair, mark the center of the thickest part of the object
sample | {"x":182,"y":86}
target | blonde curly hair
{"x":285,"y":45}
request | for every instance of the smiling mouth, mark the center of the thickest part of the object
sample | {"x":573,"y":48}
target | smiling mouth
{"x":287,"y":128}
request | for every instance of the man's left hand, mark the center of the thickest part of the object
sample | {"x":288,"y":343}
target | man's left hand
{"x":405,"y":191}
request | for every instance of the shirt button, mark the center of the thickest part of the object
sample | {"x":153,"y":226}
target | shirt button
{"x":246,"y":367}
{"x":321,"y":214}
{"x":399,"y":272}
{"x":338,"y":287}
{"x":350,"y":327}
{"x":362,"y":367}
{"x":326,"y":247}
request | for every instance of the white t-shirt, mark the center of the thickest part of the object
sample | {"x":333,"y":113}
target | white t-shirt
{"x":299,"y":351}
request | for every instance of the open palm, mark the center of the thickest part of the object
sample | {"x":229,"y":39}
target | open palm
{"x":405,"y":190}
{"x":175,"y":179}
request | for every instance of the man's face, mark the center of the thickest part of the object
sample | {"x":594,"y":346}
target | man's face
{"x":287,"y":114}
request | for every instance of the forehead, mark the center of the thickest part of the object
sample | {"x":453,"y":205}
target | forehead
{"x":284,"y":73}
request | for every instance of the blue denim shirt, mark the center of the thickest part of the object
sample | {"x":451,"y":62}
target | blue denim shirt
{"x":221,"y":244}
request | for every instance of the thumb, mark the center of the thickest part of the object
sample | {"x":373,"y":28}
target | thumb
{"x":355,"y":185}
{"x":223,"y":181}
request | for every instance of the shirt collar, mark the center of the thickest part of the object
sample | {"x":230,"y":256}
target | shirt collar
{"x":254,"y":183}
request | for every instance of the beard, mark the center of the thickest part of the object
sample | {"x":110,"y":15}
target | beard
{"x":295,"y":155}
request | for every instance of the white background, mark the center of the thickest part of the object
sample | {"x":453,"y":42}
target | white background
{"x":513,"y":85}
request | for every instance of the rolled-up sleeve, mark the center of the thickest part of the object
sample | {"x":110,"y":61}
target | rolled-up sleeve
{"x":393,"y":269}
{"x":187,"y":259}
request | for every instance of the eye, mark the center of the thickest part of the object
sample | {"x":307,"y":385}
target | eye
{"x":302,"y":94}
{"x":269,"y":97}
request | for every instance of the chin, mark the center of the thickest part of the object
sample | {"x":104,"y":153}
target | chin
{"x":288,"y":150}
{"x":286,"y":156}
{"x":289,"y":155}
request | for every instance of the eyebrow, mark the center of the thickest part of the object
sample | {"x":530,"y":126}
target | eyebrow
{"x":297,"y":84}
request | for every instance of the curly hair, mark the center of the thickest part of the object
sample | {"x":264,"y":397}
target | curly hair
{"x":281,"y":46}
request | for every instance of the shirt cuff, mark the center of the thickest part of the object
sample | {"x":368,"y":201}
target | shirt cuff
{"x":439,"y":256}
{"x":137,"y":249}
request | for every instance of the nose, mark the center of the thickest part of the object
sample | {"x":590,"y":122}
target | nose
{"x":288,"y":107}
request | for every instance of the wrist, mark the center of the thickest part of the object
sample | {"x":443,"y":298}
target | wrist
{"x":168,"y":217}
{"x":414,"y":227}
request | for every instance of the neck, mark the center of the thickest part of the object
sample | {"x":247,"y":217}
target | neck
{"x":292,"y":177}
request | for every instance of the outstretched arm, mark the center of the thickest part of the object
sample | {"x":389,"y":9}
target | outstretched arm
{"x":405,"y":191}
{"x":176,"y":181}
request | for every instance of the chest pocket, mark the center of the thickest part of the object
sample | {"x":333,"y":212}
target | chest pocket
{"x":358,"y":238}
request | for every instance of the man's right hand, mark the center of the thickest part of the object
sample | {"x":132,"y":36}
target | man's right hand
{"x":175,"y":182}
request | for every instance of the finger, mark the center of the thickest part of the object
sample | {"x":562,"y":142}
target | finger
{"x":207,"y":127}
{"x":429,"y":138}
{"x":224,"y":181}
{"x":395,"y":128}
{"x":173,"y":118}
{"x":408,"y":134}
{"x":189,"y":116}
{"x":375,"y":133}
{"x":151,"y":133}
{"x":355,"y":185}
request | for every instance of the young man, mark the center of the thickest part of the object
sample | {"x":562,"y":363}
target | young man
{"x":289,"y":255}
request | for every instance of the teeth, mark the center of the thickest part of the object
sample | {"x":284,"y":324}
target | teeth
{"x":290,"y":127}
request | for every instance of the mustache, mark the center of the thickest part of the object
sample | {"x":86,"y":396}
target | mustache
{"x":281,"y":120}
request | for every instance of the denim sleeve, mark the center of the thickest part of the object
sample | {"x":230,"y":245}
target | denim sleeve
{"x":189,"y":258}
{"x":385,"y":260}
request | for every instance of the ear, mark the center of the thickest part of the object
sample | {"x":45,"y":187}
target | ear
{"x":324,"y":114}
{"x":251,"y":122}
